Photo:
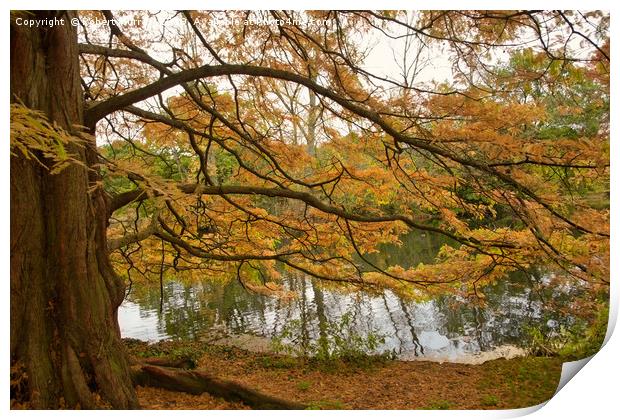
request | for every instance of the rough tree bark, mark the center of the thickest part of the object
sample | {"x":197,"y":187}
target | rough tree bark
{"x":64,"y":293}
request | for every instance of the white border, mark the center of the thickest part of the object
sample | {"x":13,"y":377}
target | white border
{"x":593,"y":394}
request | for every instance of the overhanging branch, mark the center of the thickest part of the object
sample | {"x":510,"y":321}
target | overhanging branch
{"x":101,"y":109}
{"x":308,"y":198}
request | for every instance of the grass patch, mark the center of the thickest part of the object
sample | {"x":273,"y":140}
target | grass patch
{"x":303,"y":385}
{"x":277,"y":362}
{"x":326,"y":405}
{"x":171,"y":349}
{"x":439,"y":405}
{"x":520,"y":382}
{"x":489,"y":401}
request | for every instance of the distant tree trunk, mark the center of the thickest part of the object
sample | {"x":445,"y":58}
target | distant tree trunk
{"x":64,"y":293}
{"x":313,"y":111}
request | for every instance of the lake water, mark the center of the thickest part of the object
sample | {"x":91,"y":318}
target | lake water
{"x":446,"y":328}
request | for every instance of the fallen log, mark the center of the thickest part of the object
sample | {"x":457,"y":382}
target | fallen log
{"x":194,"y":382}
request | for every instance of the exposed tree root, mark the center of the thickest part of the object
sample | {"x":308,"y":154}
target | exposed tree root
{"x":178,"y":363}
{"x":194,"y":382}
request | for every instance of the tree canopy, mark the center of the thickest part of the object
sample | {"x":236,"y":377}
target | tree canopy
{"x":233,"y":141}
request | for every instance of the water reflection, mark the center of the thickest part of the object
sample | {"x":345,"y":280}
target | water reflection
{"x":445,"y":328}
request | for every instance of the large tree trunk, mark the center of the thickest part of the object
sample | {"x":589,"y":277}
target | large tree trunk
{"x":64,"y":293}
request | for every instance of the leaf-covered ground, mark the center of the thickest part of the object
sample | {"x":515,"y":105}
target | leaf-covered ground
{"x":498,"y":384}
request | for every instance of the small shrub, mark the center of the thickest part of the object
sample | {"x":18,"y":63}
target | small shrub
{"x":340,"y":343}
{"x":578,"y":342}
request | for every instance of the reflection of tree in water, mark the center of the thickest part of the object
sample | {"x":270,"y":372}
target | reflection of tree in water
{"x":417,"y":247}
{"x":414,"y":337}
{"x":321,"y":316}
{"x":189,"y":310}
{"x":511,"y":307}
